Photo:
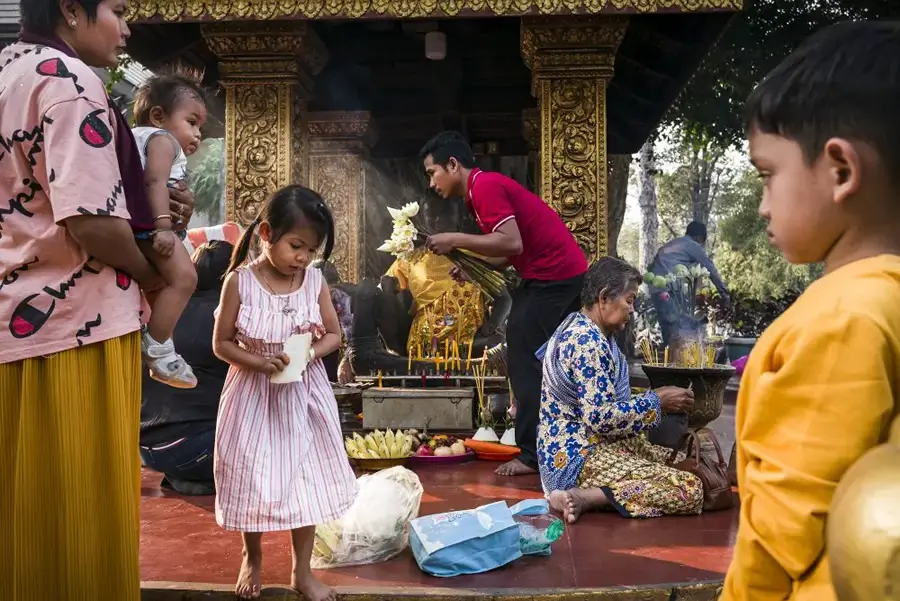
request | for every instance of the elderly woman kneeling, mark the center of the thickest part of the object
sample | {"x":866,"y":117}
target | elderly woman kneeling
{"x":592,"y":448}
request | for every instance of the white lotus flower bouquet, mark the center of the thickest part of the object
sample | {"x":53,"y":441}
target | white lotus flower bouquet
{"x":407,"y":235}
{"x":403,"y":237}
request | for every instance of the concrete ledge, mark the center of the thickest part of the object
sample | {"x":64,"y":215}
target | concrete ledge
{"x":700,"y":591}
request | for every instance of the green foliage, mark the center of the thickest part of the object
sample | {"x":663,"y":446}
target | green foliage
{"x":691,"y":191}
{"x":748,"y":263}
{"x":755,"y":42}
{"x":673,"y":202}
{"x":207,"y":169}
{"x":116,"y":75}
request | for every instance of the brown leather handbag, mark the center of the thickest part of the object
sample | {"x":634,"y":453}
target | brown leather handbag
{"x":713,"y":472}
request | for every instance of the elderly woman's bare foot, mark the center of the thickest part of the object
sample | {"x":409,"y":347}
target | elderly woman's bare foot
{"x":249,"y":578}
{"x":514,"y":468}
{"x":311,"y":587}
{"x":573,"y":502}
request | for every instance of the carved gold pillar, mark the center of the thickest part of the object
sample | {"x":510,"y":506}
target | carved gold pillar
{"x":263,"y":67}
{"x":338,"y":150}
{"x":571,"y":60}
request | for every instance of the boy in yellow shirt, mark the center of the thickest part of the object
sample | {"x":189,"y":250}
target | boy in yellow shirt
{"x":822,"y":384}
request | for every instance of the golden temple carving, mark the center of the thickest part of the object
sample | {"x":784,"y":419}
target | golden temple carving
{"x":257,"y":146}
{"x":264,"y":67}
{"x":192,"y":10}
{"x":338,"y":148}
{"x":571,"y":60}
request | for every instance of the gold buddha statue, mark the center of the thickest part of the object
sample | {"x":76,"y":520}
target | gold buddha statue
{"x":863,"y":529}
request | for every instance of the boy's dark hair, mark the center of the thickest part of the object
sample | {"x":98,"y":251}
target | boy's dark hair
{"x":211,"y":261}
{"x":42,"y":16}
{"x":448,"y":144}
{"x":839,"y":83}
{"x":286,"y":210}
{"x":164,"y":91}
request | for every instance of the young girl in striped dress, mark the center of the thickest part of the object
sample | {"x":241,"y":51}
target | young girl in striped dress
{"x":279,"y":456}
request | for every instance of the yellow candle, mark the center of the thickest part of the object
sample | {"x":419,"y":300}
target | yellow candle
{"x":409,"y":360}
{"x":379,"y":378}
{"x":666,"y":356}
{"x":419,"y":351}
{"x":447,"y":349}
{"x":469,"y":357}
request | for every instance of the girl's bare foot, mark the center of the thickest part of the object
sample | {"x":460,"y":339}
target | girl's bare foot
{"x":311,"y":587}
{"x":249,"y":580}
{"x":514,"y":468}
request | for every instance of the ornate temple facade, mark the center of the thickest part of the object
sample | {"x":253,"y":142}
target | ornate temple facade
{"x":600,"y":75}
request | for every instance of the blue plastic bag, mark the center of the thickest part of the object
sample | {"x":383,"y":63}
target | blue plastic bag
{"x":481,"y":539}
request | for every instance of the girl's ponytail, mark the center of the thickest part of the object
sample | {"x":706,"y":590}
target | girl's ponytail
{"x":242,"y":250}
{"x":329,"y":226}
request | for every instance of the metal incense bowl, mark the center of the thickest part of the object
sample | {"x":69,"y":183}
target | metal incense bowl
{"x":708,"y":384}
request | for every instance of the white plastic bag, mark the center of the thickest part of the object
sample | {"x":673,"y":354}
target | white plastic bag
{"x":376,"y":527}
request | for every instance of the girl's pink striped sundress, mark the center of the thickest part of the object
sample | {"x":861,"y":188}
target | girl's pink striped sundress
{"x":280,"y":462}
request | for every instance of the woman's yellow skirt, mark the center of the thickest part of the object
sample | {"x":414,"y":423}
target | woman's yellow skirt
{"x":70,"y":474}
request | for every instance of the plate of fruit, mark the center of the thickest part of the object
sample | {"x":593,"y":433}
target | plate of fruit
{"x":379,"y":450}
{"x":440,"y":448}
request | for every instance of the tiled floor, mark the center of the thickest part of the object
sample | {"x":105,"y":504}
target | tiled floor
{"x":180,"y":542}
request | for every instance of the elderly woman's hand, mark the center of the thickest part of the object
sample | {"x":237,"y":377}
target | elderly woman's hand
{"x":675,"y":400}
{"x":181,"y":204}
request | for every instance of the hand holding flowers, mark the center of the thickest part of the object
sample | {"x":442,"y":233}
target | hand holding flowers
{"x":406,"y":233}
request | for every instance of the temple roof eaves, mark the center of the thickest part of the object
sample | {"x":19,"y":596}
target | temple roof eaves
{"x":203,"y":10}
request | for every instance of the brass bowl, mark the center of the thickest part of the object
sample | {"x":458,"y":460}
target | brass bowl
{"x":708,"y":384}
{"x":863,"y":527}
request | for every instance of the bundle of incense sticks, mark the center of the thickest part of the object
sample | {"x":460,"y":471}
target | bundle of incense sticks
{"x":647,"y":351}
{"x":478,"y":371}
{"x":692,"y":355}
{"x":480,"y":272}
{"x":710,"y":354}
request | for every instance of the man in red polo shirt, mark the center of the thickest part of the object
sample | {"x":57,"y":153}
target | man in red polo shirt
{"x":521,"y":230}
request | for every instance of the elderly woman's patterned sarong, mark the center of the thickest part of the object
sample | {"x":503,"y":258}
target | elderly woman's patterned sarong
{"x":592,"y":431}
{"x":634,"y":477}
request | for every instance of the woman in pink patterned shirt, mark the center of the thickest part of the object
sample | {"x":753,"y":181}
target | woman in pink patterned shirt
{"x":71,"y":198}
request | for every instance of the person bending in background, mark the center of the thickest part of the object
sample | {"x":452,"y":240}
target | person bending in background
{"x":522,"y":230}
{"x":688,"y":250}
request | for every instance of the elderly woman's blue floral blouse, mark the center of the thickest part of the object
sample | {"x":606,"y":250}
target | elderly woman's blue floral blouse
{"x":585,"y":401}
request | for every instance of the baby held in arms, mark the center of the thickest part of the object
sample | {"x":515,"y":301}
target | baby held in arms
{"x":169,"y":111}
